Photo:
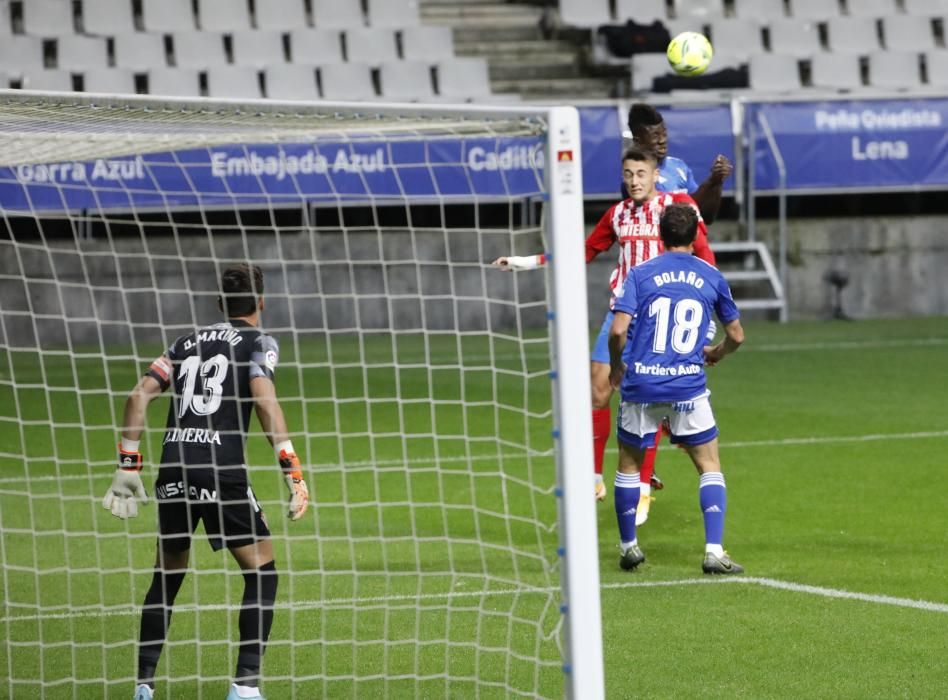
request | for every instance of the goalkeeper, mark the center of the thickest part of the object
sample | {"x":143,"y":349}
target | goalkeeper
{"x":218,"y":373}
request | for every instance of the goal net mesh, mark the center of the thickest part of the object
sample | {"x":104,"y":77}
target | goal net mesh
{"x":415,"y":380}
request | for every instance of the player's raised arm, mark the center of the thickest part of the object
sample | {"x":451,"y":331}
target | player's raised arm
{"x":708,"y":195}
{"x":127,"y":488}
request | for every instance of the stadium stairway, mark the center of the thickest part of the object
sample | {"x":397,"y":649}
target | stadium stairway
{"x":524,"y":58}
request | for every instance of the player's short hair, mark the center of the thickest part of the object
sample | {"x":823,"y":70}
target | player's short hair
{"x":640,"y":154}
{"x":642,"y":115}
{"x":241,"y":286}
{"x":679,"y":225}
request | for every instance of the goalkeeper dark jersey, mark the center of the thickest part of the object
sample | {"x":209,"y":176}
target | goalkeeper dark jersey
{"x":210,"y":371}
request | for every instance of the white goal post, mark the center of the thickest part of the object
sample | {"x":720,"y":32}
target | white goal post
{"x":429,"y":394}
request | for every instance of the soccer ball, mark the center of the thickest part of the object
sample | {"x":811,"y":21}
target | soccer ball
{"x":689,"y":53}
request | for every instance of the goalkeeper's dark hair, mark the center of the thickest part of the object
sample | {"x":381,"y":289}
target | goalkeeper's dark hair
{"x":679,"y":225}
{"x":640,"y":154}
{"x":642,"y":115}
{"x":241,"y":287}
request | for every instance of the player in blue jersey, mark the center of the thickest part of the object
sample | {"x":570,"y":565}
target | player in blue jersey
{"x":658,"y":367}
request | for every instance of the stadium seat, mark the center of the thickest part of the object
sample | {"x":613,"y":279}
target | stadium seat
{"x":223,"y":15}
{"x":739,"y":36}
{"x":794,"y":37}
{"x":852,"y":35}
{"x":17,"y":52}
{"x":703,"y":10}
{"x":233,"y":81}
{"x":427,"y":43}
{"x":641,"y":11}
{"x":894,"y":70}
{"x":107,"y":17}
{"x":770,"y":72}
{"x":347,"y":81}
{"x":463,"y":78}
{"x":167,"y":16}
{"x":872,"y":8}
{"x":371,"y":45}
{"x":585,"y":13}
{"x":337,"y":14}
{"x":291,"y":82}
{"x":198,"y":49}
{"x":833,"y":71}
{"x":406,"y":81}
{"x":77,"y":52}
{"x":119,"y":81}
{"x":52,"y":80}
{"x":393,"y":13}
{"x":48,"y":18}
{"x":140,"y":51}
{"x":257,"y":48}
{"x":645,"y":67}
{"x":314,"y":47}
{"x":908,"y":33}
{"x":936,"y":62}
{"x":761,"y":10}
{"x":6,"y":26}
{"x":924,"y":8}
{"x":817,"y":10}
{"x":281,"y":15}
{"x":176,"y":82}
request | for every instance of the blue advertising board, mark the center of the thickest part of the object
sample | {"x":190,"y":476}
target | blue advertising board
{"x":851,"y":145}
{"x":698,"y":134}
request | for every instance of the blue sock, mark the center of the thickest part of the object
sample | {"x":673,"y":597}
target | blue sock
{"x":627,"y":500}
{"x":713,"y":498}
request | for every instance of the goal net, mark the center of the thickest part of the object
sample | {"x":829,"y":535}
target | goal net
{"x":440,"y":406}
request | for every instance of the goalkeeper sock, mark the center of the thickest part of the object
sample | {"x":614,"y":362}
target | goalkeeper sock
{"x":602,"y":427}
{"x":712,"y":495}
{"x":156,"y":618}
{"x":648,"y":464}
{"x":626,"y":500}
{"x":256,"y":618}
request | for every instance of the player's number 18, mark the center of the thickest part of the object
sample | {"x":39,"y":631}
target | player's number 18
{"x":686,"y":316}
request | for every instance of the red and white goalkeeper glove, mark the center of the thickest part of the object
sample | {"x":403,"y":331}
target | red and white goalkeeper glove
{"x":299,"y":493}
{"x":126,"y":486}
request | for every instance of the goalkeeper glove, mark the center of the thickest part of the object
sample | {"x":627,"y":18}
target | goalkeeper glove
{"x":126,"y":486}
{"x":299,"y":494}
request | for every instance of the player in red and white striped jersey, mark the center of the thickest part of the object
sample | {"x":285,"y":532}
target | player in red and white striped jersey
{"x":633,"y":223}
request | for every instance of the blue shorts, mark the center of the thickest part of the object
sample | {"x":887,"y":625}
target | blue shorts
{"x":600,"y":351}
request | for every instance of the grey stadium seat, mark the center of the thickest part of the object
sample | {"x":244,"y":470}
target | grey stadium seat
{"x":175,"y":82}
{"x":645,"y":68}
{"x":908,"y":33}
{"x":737,"y":36}
{"x":347,"y":81}
{"x":393,"y":13}
{"x":406,"y":81}
{"x":585,"y":13}
{"x":107,"y":17}
{"x":427,"y":43}
{"x":872,"y":8}
{"x":314,"y":47}
{"x":337,"y":14}
{"x":371,"y":45}
{"x":282,"y":15}
{"x":52,"y":80}
{"x":463,"y":78}
{"x":769,"y":72}
{"x":642,"y":11}
{"x":6,"y":26}
{"x":794,"y":37}
{"x":19,"y":52}
{"x":291,"y":81}
{"x":48,"y":18}
{"x":894,"y":70}
{"x":198,"y":49}
{"x":836,"y":71}
{"x":77,"y":53}
{"x":937,"y":64}
{"x":819,"y":10}
{"x":233,"y":81}
{"x":223,"y":15}
{"x":140,"y":51}
{"x":852,"y":35}
{"x":761,"y":10}
{"x":167,"y":16}
{"x":703,"y":10}
{"x":120,"y":81}
{"x":259,"y":48}
{"x":925,"y":8}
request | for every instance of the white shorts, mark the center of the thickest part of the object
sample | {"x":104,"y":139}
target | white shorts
{"x":690,"y":422}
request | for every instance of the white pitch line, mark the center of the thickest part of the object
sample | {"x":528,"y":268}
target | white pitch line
{"x":835,"y":593}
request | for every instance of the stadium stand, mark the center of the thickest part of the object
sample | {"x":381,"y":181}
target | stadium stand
{"x":347,"y":81}
{"x":895,"y":70}
{"x":645,"y":68}
{"x":281,"y":15}
{"x":6,"y":26}
{"x":198,"y":49}
{"x":908,"y":33}
{"x":314,"y":47}
{"x":761,"y":10}
{"x":371,"y":45}
{"x":234,"y":81}
{"x":107,"y":17}
{"x":924,"y":8}
{"x":21,"y":52}
{"x":176,"y":82}
{"x":167,"y":16}
{"x":392,"y":13}
{"x":140,"y":51}
{"x":112,"y":80}
{"x":291,"y":82}
{"x":836,"y":72}
{"x":770,"y":72}
{"x":857,"y":35}
{"x":48,"y":18}
{"x":77,"y":53}
{"x":223,"y":16}
{"x":704,"y":10}
{"x":53,"y":80}
{"x":741,"y":36}
{"x":406,"y":81}
{"x":260,"y":48}
{"x":872,"y":8}
{"x":588,"y":14}
{"x":794,"y":37}
{"x":936,"y":65}
{"x":463,"y":78}
{"x":815,"y":10}
{"x":427,"y":43}
{"x":642,"y":11}
{"x":337,"y":14}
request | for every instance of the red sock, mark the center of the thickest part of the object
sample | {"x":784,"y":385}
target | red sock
{"x":602,"y":427}
{"x":648,"y":465}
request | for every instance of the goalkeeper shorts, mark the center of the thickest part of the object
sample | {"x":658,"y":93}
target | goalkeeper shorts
{"x":219,"y":497}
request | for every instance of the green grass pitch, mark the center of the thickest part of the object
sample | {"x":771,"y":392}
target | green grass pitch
{"x":427,"y":566}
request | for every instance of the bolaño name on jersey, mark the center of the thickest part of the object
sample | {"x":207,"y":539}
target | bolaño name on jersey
{"x":690,"y":277}
{"x":201,"y":436}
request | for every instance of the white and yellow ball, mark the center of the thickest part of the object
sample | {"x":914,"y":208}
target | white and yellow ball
{"x":689,"y":53}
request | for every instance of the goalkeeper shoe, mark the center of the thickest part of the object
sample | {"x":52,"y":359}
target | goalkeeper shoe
{"x":236,"y":694}
{"x":631,"y":558}
{"x":656,"y":483}
{"x":601,"y":491}
{"x":713,"y":564}
{"x":143,"y":692}
{"x":641,"y":511}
